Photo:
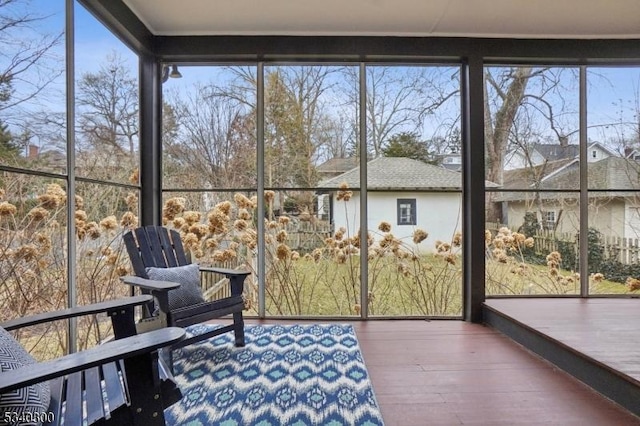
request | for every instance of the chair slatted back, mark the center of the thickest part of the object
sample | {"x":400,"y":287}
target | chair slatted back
{"x":82,"y":398}
{"x":154,"y":246}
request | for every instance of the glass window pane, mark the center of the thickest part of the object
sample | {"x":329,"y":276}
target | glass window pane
{"x":107,"y":109}
{"x":535,"y":250}
{"x":532,"y":127}
{"x":33,"y":257}
{"x":209,"y":128}
{"x":32,"y":87}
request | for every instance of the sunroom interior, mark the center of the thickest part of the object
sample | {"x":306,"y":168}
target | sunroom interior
{"x":411,"y":163}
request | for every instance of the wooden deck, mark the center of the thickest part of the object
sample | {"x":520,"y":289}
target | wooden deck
{"x":597,"y":340}
{"x":453,"y":373}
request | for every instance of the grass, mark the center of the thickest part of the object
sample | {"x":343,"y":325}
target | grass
{"x":427,"y":286}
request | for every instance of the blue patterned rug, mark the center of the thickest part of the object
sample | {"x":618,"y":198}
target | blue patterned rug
{"x":285,"y":375}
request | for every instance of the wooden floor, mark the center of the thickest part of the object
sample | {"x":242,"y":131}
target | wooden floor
{"x":454,"y":373}
{"x":607,"y":330}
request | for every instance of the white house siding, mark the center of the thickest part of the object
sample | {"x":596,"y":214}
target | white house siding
{"x":609,"y":216}
{"x":438,"y":213}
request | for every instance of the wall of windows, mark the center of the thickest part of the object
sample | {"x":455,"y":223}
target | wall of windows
{"x":569,"y":170}
{"x":61,"y":226}
{"x":338,"y":183}
{"x":315,"y":258}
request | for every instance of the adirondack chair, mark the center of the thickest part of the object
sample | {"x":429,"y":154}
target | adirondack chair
{"x":120,"y":382}
{"x":162,"y":269}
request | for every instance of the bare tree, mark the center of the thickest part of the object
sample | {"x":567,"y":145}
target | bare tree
{"x":108,"y":105}
{"x":28,"y":60}
{"x":213,"y":146}
{"x":400,"y":98}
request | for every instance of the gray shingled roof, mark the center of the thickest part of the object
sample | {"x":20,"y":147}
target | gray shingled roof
{"x":338,"y":165}
{"x":604,"y":175}
{"x":526,"y":177}
{"x":398,"y":173}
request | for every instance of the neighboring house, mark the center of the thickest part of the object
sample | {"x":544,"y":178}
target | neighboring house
{"x":614,"y":200}
{"x":336,"y":166}
{"x":450,"y":161}
{"x":406,"y":193}
{"x":541,"y":153}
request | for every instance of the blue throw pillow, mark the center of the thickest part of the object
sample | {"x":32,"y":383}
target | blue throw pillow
{"x":32,"y":399}
{"x":188,"y":276}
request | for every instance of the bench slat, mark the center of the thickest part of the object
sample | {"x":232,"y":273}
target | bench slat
{"x":113,"y":385}
{"x":55,"y":405}
{"x":95,"y":405}
{"x":73,"y":399}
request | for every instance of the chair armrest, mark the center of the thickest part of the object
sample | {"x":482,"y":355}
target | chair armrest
{"x":95,"y":308}
{"x":225,"y":271}
{"x":102,"y":354}
{"x":236,"y":278}
{"x":150,"y":285}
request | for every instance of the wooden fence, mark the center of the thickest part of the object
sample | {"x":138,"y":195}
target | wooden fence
{"x":303,"y":237}
{"x":624,"y":250}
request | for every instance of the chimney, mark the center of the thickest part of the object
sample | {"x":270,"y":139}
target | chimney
{"x":33,"y":151}
{"x":627,"y":151}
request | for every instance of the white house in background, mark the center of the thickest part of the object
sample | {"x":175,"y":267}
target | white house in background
{"x":614,"y":196}
{"x":540,"y":153}
{"x":406,"y":193}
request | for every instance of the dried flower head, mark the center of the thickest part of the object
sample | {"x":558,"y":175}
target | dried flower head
{"x":38,"y":213}
{"x":7,"y":209}
{"x":79,"y":202}
{"x":224,"y":207}
{"x":92,"y":230}
{"x":27,"y":252}
{"x":242,"y":201}
{"x":384,"y":226}
{"x":240,"y":225}
{"x":284,"y":220}
{"x":81,"y":215}
{"x":173,"y":207}
{"x":283,"y":252}
{"x":244,"y":214}
{"x":419,"y":236}
{"x":190,"y":240}
{"x":109,"y":223}
{"x":131,"y":200}
{"x":134,"y":177}
{"x":344,"y":194}
{"x":179,"y":223}
{"x":191,"y":217}
{"x":281,"y":236}
{"x":269,"y":196}
{"x":129,"y":220}
{"x":633,"y":284}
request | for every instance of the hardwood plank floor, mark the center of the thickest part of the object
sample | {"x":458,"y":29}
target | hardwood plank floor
{"x":605,"y":329}
{"x":454,"y":373}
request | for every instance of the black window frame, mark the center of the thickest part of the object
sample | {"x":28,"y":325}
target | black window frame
{"x":412,"y":213}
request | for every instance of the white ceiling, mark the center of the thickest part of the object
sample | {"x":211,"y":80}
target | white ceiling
{"x":465,"y":18}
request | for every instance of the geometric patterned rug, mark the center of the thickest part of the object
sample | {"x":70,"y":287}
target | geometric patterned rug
{"x":298,"y":375}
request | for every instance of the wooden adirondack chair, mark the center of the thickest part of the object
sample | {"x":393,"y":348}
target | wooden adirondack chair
{"x":153,"y":247}
{"x":120,"y":382}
